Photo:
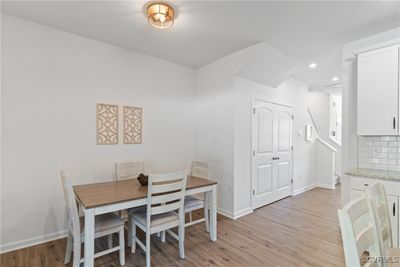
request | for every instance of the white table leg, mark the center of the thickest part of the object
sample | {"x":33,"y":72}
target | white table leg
{"x":213,"y":213}
{"x":89,"y":237}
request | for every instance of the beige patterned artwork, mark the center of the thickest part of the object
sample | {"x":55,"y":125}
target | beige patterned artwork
{"x":132,"y":125}
{"x":107,"y":124}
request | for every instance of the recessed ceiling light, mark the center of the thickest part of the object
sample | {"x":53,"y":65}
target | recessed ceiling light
{"x":335,"y":79}
{"x":160,"y":15}
{"x":312,"y":65}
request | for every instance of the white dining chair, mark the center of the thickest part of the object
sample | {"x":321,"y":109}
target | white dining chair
{"x":165,"y":196}
{"x":359,"y":233}
{"x":129,"y":170}
{"x":126,"y":171}
{"x":377,"y":196}
{"x":105,"y":225}
{"x":198,"y":169}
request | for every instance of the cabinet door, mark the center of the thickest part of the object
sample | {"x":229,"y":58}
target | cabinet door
{"x":377,"y":91}
{"x":393,"y":205}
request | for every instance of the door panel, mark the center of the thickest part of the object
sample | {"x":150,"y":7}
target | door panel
{"x":264,"y":179}
{"x":284,"y":131}
{"x":284,"y":174}
{"x":272,"y":153}
{"x":264,"y":128}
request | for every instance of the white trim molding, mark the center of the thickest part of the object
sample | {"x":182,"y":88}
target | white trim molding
{"x":225,"y":213}
{"x":303,"y":189}
{"x":235,"y":215}
{"x":242,"y":213}
{"x":307,"y":188}
{"x":326,"y":186}
{"x":32,"y":241}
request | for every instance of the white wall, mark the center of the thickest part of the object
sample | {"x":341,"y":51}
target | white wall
{"x":214,"y":132}
{"x":291,"y":92}
{"x":223,"y":124}
{"x":349,"y":109}
{"x":51,"y":83}
{"x":318,"y":102}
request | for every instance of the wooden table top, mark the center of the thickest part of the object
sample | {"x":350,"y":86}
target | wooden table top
{"x":100,"y":194}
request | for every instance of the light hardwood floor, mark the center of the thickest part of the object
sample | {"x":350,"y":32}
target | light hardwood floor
{"x":297,"y":231}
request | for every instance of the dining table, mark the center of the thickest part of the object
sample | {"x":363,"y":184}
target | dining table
{"x":100,"y":198}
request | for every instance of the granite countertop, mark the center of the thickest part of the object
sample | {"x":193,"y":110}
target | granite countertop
{"x":371,"y":173}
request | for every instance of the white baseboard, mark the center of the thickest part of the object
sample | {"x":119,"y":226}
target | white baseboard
{"x":235,"y":215}
{"x":306,"y":188}
{"x":226,"y":213}
{"x":327,"y":186}
{"x":32,"y":241}
{"x":242,"y":212}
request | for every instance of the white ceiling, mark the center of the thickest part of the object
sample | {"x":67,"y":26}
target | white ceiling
{"x":208,"y":30}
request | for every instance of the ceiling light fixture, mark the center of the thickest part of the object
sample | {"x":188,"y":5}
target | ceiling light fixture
{"x":312,"y":65}
{"x":160,"y":15}
{"x":335,"y":79}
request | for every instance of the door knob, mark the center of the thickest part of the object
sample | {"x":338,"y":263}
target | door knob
{"x":275,"y":158}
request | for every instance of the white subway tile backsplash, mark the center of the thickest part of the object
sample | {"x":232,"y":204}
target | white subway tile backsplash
{"x":379,"y":152}
{"x":388,"y":161}
{"x":381,"y":155}
{"x":394,"y":144}
{"x":365,"y":165}
{"x":394,"y":156}
{"x":366,"y":143}
{"x":388,"y":138}
{"x":394,"y":168}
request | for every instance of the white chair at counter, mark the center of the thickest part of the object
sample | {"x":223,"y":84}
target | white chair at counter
{"x":359,"y":233}
{"x":105,"y":225}
{"x":377,"y":196}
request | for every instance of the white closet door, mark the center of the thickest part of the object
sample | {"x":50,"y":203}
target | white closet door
{"x":377,"y":92}
{"x":272,"y":153}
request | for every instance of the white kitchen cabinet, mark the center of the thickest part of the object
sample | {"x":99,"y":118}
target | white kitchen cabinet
{"x":393,"y":205}
{"x":378,"y":92}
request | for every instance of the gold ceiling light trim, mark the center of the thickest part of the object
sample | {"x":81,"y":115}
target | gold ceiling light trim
{"x":160,"y":15}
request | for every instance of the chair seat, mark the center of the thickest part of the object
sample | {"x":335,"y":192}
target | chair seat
{"x":394,"y":256}
{"x":193,"y":203}
{"x":156,"y":220}
{"x":103,"y":222}
{"x":140,"y":209}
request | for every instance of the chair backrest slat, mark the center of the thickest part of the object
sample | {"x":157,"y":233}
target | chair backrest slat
{"x":165,"y":208}
{"x":358,"y":209}
{"x":166,"y":198}
{"x":70,"y":201}
{"x":200,"y":169}
{"x":167,"y":177}
{"x":129,"y":170}
{"x":164,"y":189}
{"x":359,"y":231}
{"x":365,"y":238}
{"x":377,"y":196}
